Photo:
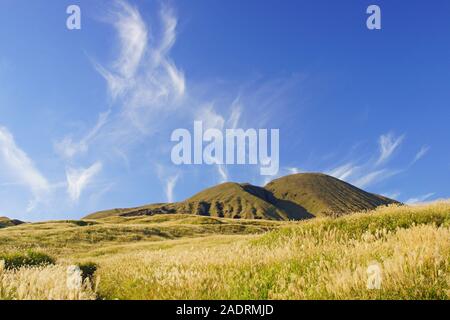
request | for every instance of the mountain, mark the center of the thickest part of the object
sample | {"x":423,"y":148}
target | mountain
{"x":6,"y":222}
{"x":323,"y":195}
{"x":294,"y":197}
{"x":233,"y":200}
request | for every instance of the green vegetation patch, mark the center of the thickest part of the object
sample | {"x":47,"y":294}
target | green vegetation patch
{"x":384,"y":219}
{"x":29,"y":258}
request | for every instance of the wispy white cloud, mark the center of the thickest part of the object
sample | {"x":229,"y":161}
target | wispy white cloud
{"x":132,"y":33}
{"x":146,"y":86}
{"x":391,"y":195}
{"x":293,"y":170}
{"x":373,"y":177}
{"x":420,"y":199}
{"x":263,"y":180}
{"x":388,"y":144}
{"x":133,"y":36}
{"x":123,"y":156}
{"x":21,"y":167}
{"x":236,"y":113}
{"x":421,"y":153}
{"x":344,"y":171}
{"x":100,"y":192}
{"x":223,"y":173}
{"x":210,"y":118}
{"x":143,"y":76}
{"x":171,"y":183}
{"x":68,"y":148}
{"x":368,"y":173}
{"x":143,"y":83}
{"x":79,"y":179}
{"x":168,"y":40}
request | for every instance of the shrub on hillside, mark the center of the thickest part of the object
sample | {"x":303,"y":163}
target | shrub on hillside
{"x":30,"y":258}
{"x":88,"y":270}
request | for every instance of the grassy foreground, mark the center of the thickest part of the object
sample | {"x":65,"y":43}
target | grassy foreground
{"x":192,"y":257}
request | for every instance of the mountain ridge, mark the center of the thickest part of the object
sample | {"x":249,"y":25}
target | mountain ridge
{"x":7,"y":222}
{"x":293,"y":197}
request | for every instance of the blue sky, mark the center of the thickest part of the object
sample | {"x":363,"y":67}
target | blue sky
{"x":86,"y":115}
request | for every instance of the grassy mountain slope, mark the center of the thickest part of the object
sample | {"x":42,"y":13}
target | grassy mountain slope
{"x":6,"y":222}
{"x":294,"y":197}
{"x":58,"y":237}
{"x":234,"y":200}
{"x":227,"y":200}
{"x":190,"y":258}
{"x":321,"y":194}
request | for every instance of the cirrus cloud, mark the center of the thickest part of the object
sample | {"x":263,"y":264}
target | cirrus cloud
{"x":22,"y":168}
{"x":78,"y":179}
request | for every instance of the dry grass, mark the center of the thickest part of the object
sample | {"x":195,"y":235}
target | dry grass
{"x":41,"y":283}
{"x":321,"y":259}
{"x":324,"y":258}
{"x":65,"y":238}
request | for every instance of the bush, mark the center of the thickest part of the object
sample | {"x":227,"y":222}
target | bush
{"x":88,"y":270}
{"x":28,"y":259}
{"x":82,"y":223}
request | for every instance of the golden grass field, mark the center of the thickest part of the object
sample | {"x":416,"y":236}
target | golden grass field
{"x":194,"y":257}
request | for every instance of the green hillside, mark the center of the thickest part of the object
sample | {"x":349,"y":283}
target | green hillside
{"x":323,"y":195}
{"x":58,"y":237}
{"x":197,"y":257}
{"x":6,"y":222}
{"x":294,"y":197}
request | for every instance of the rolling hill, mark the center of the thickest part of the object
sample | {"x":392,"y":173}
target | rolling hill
{"x":193,"y":257}
{"x":293,"y":197}
{"x":323,"y":195}
{"x":6,"y":222}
